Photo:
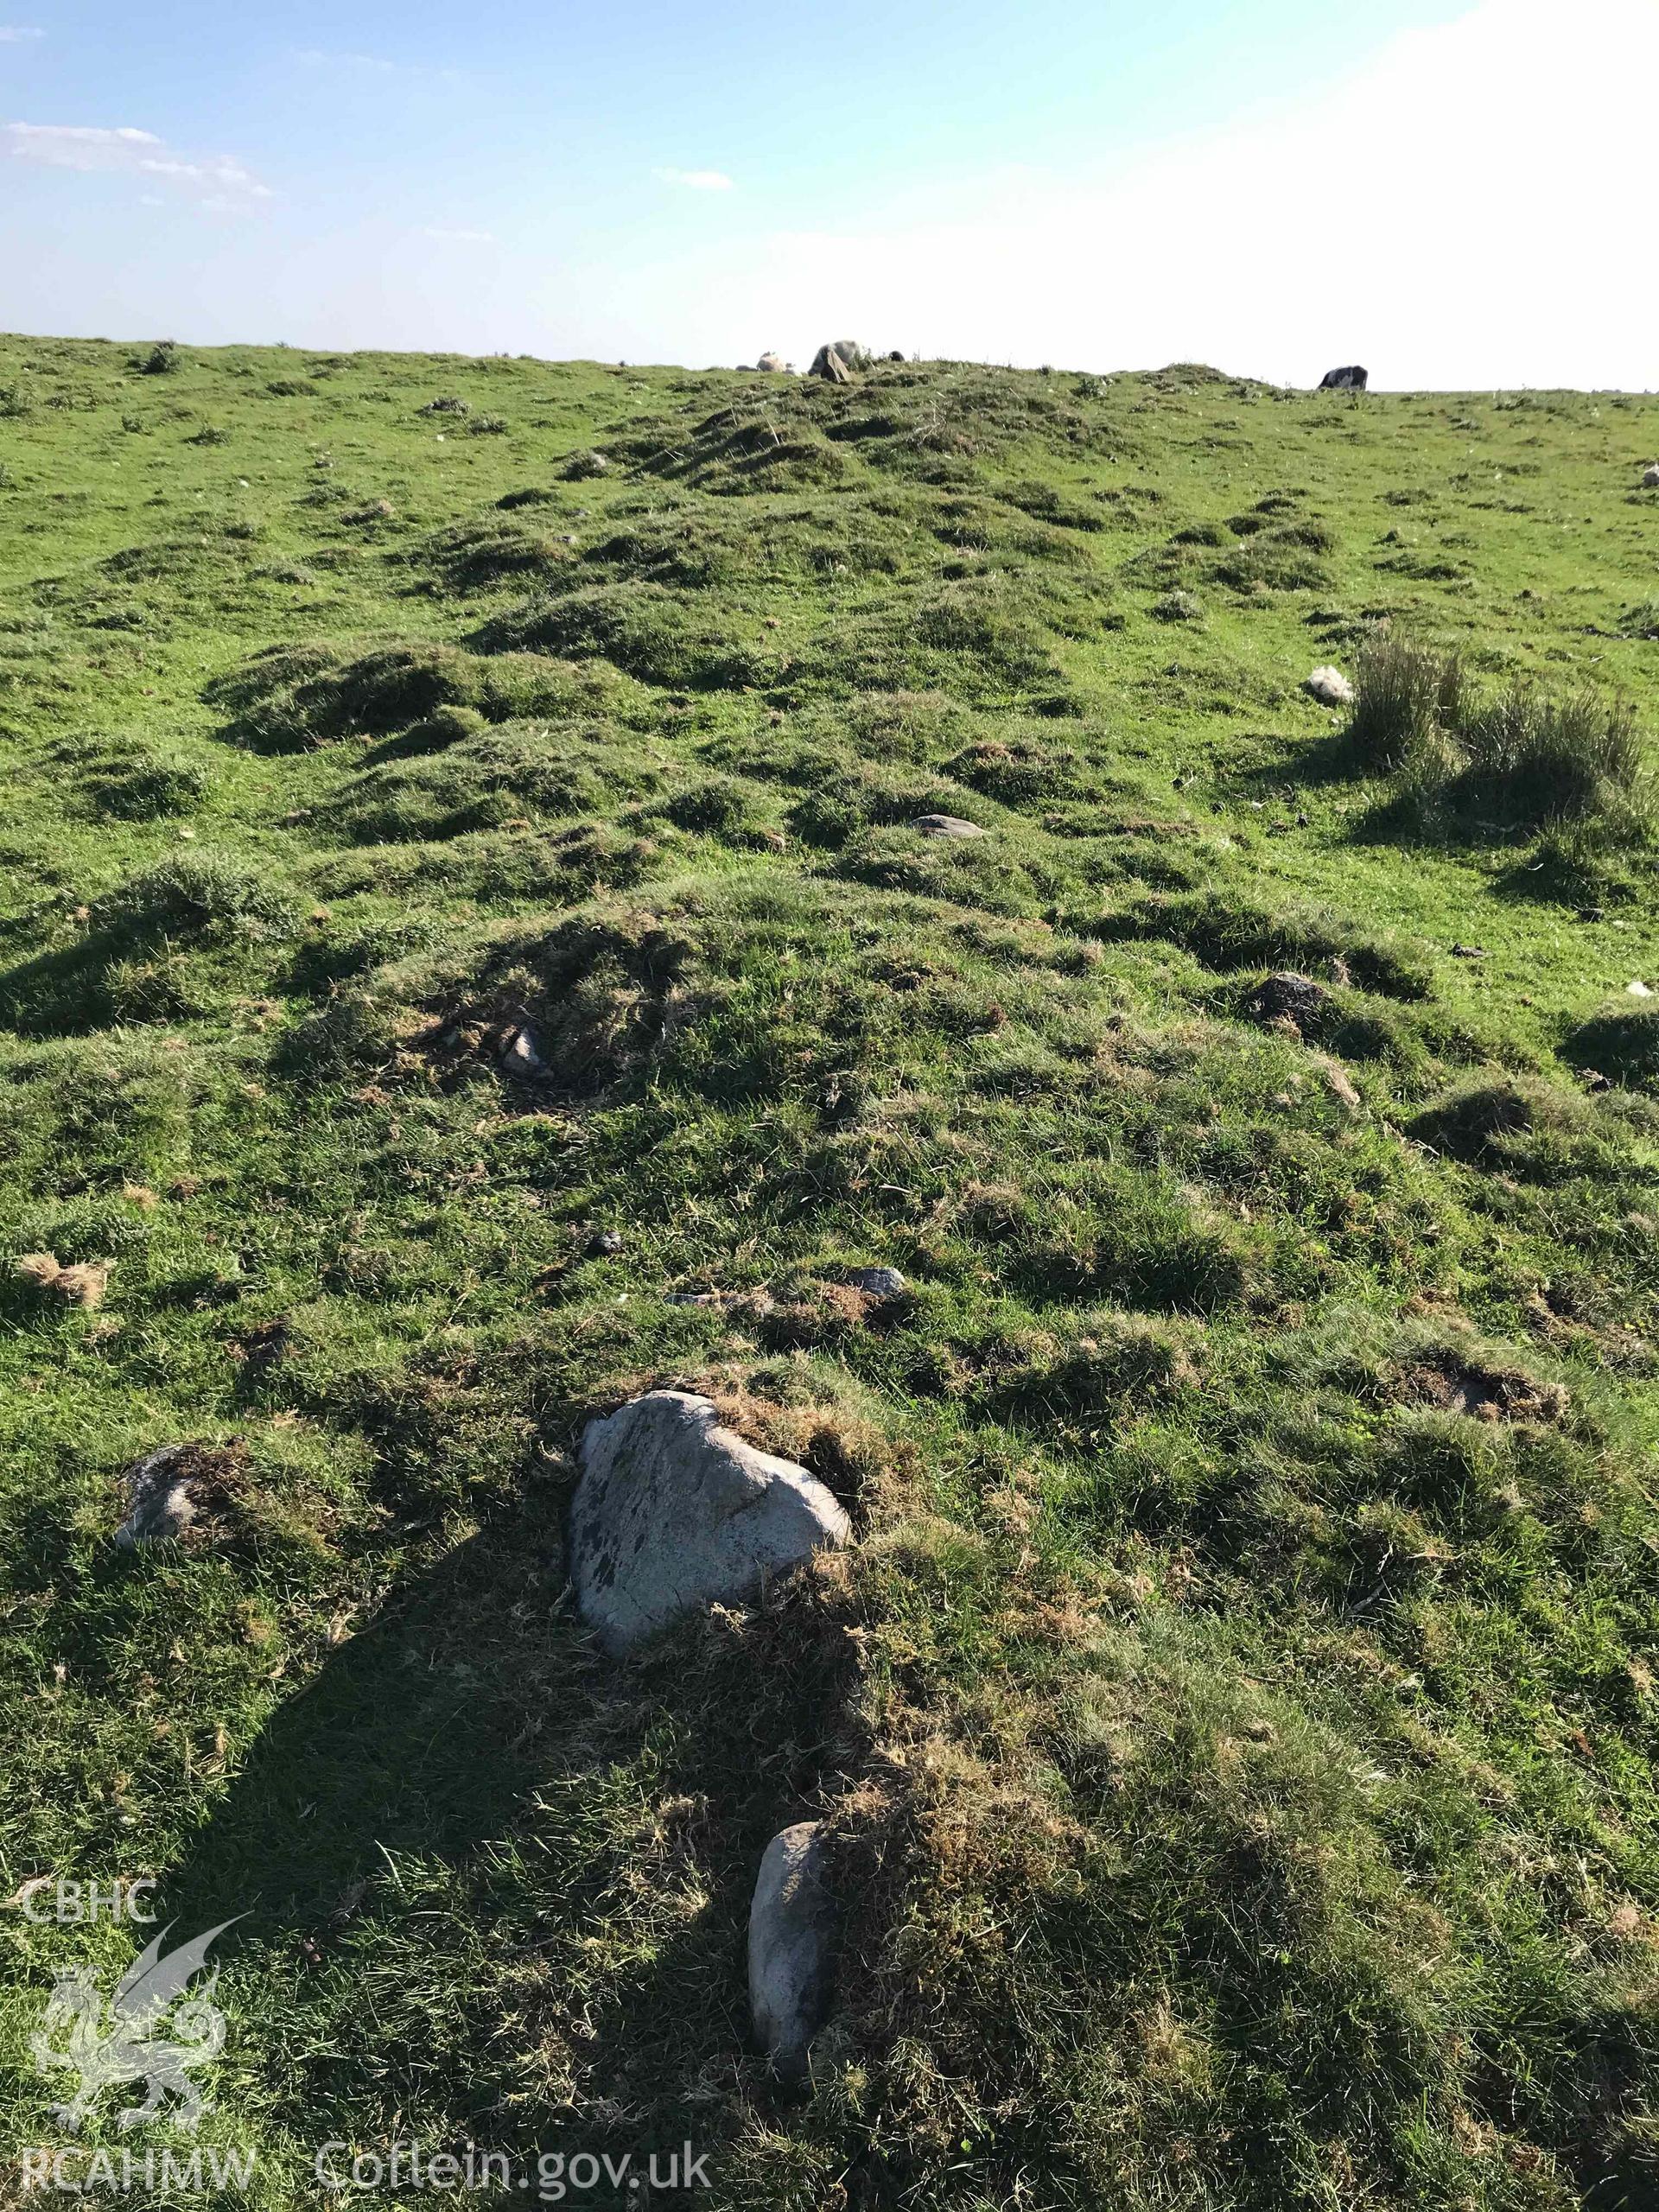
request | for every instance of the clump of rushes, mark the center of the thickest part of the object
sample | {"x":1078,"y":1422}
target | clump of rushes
{"x":1539,"y":761}
{"x":1516,"y":760}
{"x":1405,"y":694}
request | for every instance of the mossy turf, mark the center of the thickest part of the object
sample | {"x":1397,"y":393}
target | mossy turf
{"x":1235,"y":1725}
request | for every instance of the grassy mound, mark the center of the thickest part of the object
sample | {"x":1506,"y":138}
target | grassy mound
{"x":461,"y":894}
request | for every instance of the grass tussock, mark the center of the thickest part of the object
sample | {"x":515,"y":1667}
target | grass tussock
{"x":1623,"y":1047}
{"x":1513,"y":761}
{"x":196,"y":895}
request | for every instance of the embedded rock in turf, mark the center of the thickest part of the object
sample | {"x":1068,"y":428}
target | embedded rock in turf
{"x":674,"y":1512}
{"x":1289,"y":997}
{"x":158,"y":1493}
{"x":524,"y":1055}
{"x":789,"y":1927}
{"x":837,"y":358}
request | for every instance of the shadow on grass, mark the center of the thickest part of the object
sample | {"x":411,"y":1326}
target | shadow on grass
{"x":59,"y":993}
{"x":1304,"y":762}
{"x":1529,"y":862}
{"x":471,"y":1831}
{"x":413,"y":1736}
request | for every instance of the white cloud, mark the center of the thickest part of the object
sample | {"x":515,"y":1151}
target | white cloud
{"x":1470,"y":208}
{"x":16,"y":34}
{"x":79,"y":145}
{"x":449,"y":237}
{"x":218,"y":180}
{"x":695,"y":179}
{"x":348,"y":63}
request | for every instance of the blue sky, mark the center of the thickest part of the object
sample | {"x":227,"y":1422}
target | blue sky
{"x":1453,"y":190}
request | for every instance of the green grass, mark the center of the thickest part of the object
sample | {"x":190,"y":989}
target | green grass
{"x":1237,"y":1721}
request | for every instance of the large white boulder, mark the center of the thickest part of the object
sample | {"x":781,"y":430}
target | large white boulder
{"x":791,"y":1926}
{"x":674,"y":1512}
{"x":1329,"y":687}
{"x":837,"y":358}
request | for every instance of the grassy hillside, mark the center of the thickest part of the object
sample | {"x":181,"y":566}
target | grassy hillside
{"x":1236,"y":1720}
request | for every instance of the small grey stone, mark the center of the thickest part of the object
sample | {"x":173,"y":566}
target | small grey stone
{"x":1177,"y":606}
{"x":792,"y":1922}
{"x":946,"y":825}
{"x":603,"y":1243}
{"x":158,"y":1498}
{"x":674,"y":1512}
{"x":880,"y":1282}
{"x":1650,"y":478}
{"x":523,"y":1054}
